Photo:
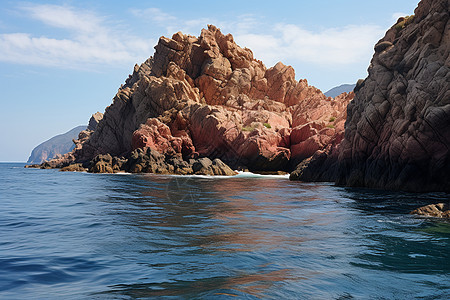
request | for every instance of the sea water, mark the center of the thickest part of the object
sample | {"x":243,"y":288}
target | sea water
{"x":67,"y":235}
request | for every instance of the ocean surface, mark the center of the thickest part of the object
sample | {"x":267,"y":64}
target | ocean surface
{"x":101,"y":236}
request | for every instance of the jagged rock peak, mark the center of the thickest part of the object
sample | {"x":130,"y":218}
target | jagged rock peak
{"x":94,"y":120}
{"x":206,"y":96}
{"x":219,"y":68}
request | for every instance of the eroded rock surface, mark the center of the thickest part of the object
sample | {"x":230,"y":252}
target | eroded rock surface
{"x":94,"y":120}
{"x":208,"y":97}
{"x":397,"y":134}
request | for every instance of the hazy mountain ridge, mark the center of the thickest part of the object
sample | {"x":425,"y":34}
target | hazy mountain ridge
{"x":59,"y":144}
{"x":336,"y":91}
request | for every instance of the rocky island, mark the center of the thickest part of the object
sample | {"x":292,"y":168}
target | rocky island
{"x":204,"y":105}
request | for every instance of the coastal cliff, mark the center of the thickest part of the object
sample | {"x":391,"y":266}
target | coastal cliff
{"x":397,"y":133}
{"x":208,"y":97}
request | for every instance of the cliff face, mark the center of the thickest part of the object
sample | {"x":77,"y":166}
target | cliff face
{"x":397,"y":133}
{"x":206,"y":96}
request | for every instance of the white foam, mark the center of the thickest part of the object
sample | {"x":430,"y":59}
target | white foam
{"x":240,"y":174}
{"x":255,"y":175}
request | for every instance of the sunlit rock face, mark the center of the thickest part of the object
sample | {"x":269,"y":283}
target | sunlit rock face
{"x":397,"y":133}
{"x":208,"y":97}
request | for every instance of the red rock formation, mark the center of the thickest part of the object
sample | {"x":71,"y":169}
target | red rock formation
{"x":397,"y":134}
{"x":158,"y":136}
{"x":210,"y":97}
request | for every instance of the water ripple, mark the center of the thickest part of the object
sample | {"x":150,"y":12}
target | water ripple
{"x":80,"y":235}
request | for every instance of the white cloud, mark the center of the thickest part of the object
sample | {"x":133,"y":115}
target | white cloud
{"x":23,"y":48}
{"x":334,"y":46}
{"x":90,"y":41}
{"x":153,"y":14}
{"x":284,"y":42}
{"x":170,"y":23}
{"x":64,"y":17}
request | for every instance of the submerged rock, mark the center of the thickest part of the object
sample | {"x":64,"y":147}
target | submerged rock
{"x":440,"y":210}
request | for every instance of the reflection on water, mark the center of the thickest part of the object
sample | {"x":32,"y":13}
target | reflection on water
{"x":147,"y":236}
{"x":253,"y":236}
{"x":239,"y":285}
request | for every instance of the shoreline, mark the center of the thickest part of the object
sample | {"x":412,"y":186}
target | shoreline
{"x":440,"y":211}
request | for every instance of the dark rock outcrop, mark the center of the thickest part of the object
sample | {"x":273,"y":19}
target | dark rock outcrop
{"x":74,"y":168}
{"x":148,"y":160}
{"x":397,"y":133}
{"x":94,"y":120}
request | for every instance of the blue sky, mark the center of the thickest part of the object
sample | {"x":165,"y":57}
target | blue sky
{"x":61,"y":61}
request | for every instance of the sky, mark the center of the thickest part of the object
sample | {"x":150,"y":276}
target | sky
{"x":62,"y":61}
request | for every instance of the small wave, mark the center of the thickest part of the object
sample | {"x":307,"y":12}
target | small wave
{"x":118,"y":173}
{"x":20,"y":224}
{"x":198,"y":176}
{"x":389,"y":221}
{"x":416,"y":255}
{"x":240,"y":174}
{"x":255,"y":175}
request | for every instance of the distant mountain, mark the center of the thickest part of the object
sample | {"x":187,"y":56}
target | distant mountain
{"x":60,"y":144}
{"x":336,"y":91}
